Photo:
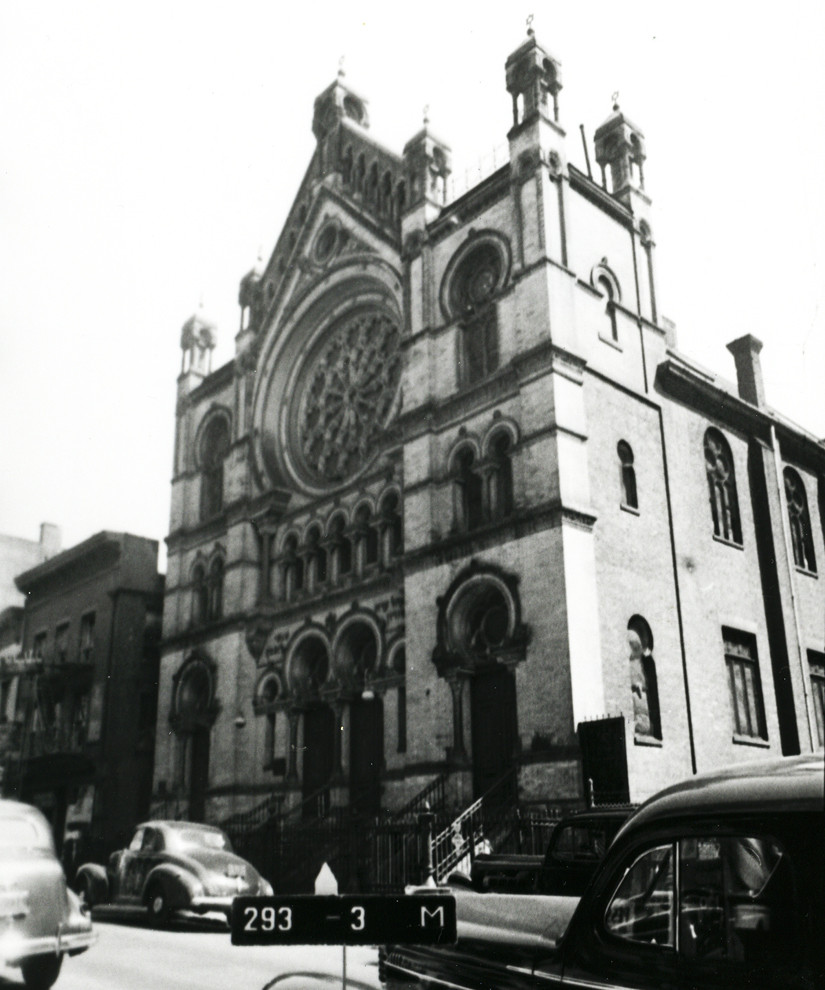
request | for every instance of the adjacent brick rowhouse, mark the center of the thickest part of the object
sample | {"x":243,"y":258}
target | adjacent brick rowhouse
{"x":460,"y":506}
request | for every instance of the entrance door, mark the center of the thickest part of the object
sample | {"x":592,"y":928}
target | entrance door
{"x":493,"y":724}
{"x":199,"y":773}
{"x":319,"y":758}
{"x":366,"y":755}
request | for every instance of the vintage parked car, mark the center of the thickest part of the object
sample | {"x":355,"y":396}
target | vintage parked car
{"x":171,"y":866}
{"x":41,"y":920}
{"x":577,"y":845}
{"x":717,"y":882}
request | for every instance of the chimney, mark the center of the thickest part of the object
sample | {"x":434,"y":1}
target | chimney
{"x":50,"y":540}
{"x":745,"y":353}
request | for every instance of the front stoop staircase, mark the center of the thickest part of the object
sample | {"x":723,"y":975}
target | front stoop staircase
{"x":384,"y":853}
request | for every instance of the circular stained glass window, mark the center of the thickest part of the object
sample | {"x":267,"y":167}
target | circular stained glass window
{"x":347,"y":395}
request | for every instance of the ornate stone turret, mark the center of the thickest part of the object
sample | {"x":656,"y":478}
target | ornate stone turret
{"x":336,"y":102}
{"x":620,"y":146}
{"x":197,"y":341}
{"x":428,"y":163}
{"x":534,"y":81}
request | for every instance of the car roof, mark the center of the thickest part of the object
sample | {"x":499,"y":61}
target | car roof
{"x":178,"y":824}
{"x":597,"y":816}
{"x":761,"y":787}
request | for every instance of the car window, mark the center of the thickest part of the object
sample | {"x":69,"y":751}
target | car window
{"x":149,"y":840}
{"x":736,"y":900}
{"x":137,"y":841}
{"x":642,"y":908}
{"x":581,"y":843}
{"x":17,"y":832}
{"x":196,"y":838}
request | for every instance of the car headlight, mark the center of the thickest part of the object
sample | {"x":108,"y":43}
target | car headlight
{"x":265,"y":888}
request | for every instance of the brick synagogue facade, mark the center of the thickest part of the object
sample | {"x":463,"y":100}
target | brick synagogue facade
{"x":459,"y":506}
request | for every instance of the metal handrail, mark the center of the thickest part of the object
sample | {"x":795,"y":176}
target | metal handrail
{"x":416,"y":804}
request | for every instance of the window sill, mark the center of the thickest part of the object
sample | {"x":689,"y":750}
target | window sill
{"x":728,"y":543}
{"x":639,"y":740}
{"x":629,"y":508}
{"x":751,"y":741}
{"x":610,"y":342}
{"x":806,"y":572}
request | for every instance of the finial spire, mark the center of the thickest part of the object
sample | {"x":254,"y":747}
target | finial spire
{"x":341,"y":72}
{"x":426,"y":114}
{"x":530,"y":32}
{"x":615,"y":99}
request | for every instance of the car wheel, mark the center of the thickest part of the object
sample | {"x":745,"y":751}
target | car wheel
{"x":85,"y":892}
{"x":158,"y":905}
{"x":40,"y":972}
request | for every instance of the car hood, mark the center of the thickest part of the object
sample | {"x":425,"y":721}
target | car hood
{"x":533,"y":920}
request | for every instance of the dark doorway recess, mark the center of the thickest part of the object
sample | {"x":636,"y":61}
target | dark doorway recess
{"x":319,"y":757}
{"x":494,"y":731}
{"x":366,"y":754}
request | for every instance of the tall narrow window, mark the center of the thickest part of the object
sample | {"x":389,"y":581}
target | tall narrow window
{"x":269,"y":695}
{"x":816,"y":666}
{"x":468,"y":492}
{"x":724,"y":505}
{"x":341,"y":548}
{"x":800,"y":522}
{"x":61,"y":643}
{"x":293,"y":568}
{"x":745,"y":684}
{"x":500,"y":479}
{"x":367,"y":537}
{"x":216,"y":589}
{"x":87,"y":637}
{"x":214,"y":448}
{"x":644,"y":684}
{"x":604,"y":285}
{"x":317,"y":558}
{"x":627,"y":475}
{"x":399,"y":666}
{"x":472,"y":293}
{"x":200,"y":596}
{"x":392,"y":527}
{"x":39,"y":645}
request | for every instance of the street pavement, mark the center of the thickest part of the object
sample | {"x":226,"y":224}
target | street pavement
{"x":198,"y":955}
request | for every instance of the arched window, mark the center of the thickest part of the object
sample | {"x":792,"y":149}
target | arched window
{"x":468,"y":504}
{"x":293,"y":568}
{"x":367,"y":537}
{"x":392,"y":527}
{"x":268,"y":697}
{"x":800,"y":522}
{"x":216,"y":589}
{"x":317,"y":558}
{"x":200,"y":596}
{"x":341,"y":548}
{"x":643,"y":683}
{"x":627,"y":475}
{"x":724,"y":505}
{"x":500,"y":478}
{"x":605,"y":286}
{"x":214,"y":447}
{"x":472,"y":292}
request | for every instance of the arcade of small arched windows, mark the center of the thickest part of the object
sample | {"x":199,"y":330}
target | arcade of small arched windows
{"x":373,"y":182}
{"x":323,"y":669}
{"x":483,"y":485}
{"x":207,"y":590}
{"x":336,"y":552}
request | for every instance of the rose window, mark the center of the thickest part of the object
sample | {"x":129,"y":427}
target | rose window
{"x":348,"y":395}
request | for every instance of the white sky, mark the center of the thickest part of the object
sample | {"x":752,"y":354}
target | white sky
{"x":149,"y":151}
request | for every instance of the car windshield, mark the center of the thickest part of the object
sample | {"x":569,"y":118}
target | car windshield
{"x":18,"y":832}
{"x":197,"y":838}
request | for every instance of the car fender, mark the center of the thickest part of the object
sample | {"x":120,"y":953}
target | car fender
{"x":96,"y":874}
{"x":179,"y":884}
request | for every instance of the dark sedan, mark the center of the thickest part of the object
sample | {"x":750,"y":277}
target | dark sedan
{"x":172,"y":866}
